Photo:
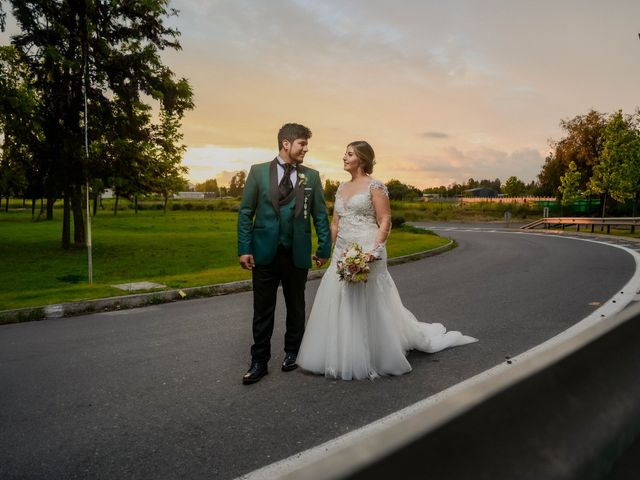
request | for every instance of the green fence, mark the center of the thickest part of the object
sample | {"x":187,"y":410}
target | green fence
{"x":579,"y":206}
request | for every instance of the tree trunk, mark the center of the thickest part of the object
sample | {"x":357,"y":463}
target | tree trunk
{"x":50,"y":202}
{"x":6,"y":204}
{"x":115,"y":208}
{"x":33,"y":207}
{"x":135,"y":204}
{"x":604,"y":203}
{"x":95,"y":205}
{"x":78,"y":218}
{"x":166,"y":201}
{"x":66,"y":222}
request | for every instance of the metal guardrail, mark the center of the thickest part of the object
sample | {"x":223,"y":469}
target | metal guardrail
{"x":563,"y":222}
{"x":568,"y":411}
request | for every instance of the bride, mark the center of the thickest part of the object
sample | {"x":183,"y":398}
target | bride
{"x":362,"y":330}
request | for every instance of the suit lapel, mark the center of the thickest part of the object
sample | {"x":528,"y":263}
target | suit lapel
{"x":299,"y":191}
{"x":273,"y":185}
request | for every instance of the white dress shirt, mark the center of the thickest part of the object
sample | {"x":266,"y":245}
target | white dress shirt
{"x":294,"y":172}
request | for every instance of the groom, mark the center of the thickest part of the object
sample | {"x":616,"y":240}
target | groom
{"x":274,"y":242}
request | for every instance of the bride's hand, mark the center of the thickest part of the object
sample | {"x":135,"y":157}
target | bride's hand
{"x":375,"y":254}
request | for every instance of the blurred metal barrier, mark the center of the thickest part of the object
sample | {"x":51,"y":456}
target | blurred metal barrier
{"x":567,"y":411}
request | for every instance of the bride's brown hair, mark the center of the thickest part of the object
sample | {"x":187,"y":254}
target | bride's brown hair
{"x":365,"y":154}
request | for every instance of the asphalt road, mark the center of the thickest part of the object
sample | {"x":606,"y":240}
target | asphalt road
{"x":156,"y":392}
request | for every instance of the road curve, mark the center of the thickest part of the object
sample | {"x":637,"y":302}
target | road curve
{"x":155,"y":392}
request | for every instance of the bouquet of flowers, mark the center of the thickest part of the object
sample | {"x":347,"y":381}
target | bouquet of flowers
{"x":352,"y":265}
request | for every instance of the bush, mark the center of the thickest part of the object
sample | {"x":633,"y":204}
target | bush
{"x":412,"y":216}
{"x":176,"y":206}
{"x":416,"y":230}
{"x":397,"y":221}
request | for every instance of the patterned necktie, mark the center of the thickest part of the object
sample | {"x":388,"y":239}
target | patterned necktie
{"x":286,"y":185}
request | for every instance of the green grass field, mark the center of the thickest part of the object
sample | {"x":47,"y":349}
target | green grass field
{"x":471,"y":212}
{"x":182,"y":248}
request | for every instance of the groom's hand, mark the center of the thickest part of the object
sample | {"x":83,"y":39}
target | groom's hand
{"x":319,"y":261}
{"x":246,"y":262}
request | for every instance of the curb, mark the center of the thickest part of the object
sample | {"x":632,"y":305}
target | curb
{"x":124,"y":302}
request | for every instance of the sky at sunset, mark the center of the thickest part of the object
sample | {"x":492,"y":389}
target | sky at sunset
{"x":443,"y":91}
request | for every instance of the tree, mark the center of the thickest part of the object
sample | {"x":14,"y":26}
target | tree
{"x":456,"y":189}
{"x":582,"y":144}
{"x":471,"y":183}
{"x":513,"y":187}
{"x":128,"y":150}
{"x":531,"y":189}
{"x":441,"y":191}
{"x":236,"y":186}
{"x":210,"y":185}
{"x":401,"y":191}
{"x":168,"y":177}
{"x":169,"y":149}
{"x":549,"y":176}
{"x":397,"y":189}
{"x":570,"y":185}
{"x":19,"y":129}
{"x":330,"y":189}
{"x":492,"y":184}
{"x":632,"y":162}
{"x":111,"y":50}
{"x":12,"y":178}
{"x":618,"y":172}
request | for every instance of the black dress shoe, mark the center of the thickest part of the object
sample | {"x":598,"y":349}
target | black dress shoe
{"x":255,"y":373}
{"x":289,"y":362}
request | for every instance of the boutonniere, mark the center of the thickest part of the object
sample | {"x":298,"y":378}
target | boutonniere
{"x":302,"y":180}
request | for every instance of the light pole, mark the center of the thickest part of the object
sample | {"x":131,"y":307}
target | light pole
{"x":85,"y":88}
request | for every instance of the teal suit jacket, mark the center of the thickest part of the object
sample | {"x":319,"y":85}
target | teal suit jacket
{"x":258,"y":217}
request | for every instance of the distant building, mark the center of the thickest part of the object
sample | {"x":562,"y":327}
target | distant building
{"x":184,"y":195}
{"x":482,"y":192}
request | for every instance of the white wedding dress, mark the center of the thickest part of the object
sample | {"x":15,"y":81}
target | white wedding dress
{"x":362,"y":330}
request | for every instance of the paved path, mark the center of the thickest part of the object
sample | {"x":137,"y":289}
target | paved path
{"x":156,"y":393}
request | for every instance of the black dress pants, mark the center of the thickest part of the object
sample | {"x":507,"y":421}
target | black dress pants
{"x":266,"y":279}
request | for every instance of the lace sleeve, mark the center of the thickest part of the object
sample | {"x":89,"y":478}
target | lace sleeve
{"x":378,"y":185}
{"x":382,"y":208}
